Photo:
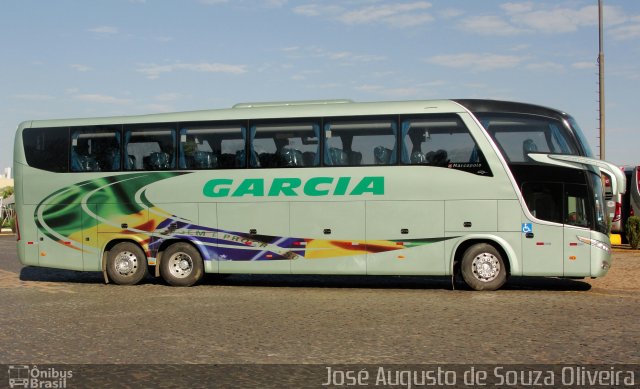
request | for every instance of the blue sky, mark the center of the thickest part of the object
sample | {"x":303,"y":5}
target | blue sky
{"x":72,"y":58}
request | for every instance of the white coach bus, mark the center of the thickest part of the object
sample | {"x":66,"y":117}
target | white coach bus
{"x":485,"y":189}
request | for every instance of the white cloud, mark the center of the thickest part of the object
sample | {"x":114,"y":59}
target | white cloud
{"x":536,"y":18}
{"x":105,"y":30}
{"x":488,"y":25}
{"x":397,"y":15}
{"x":103,"y":99}
{"x":584,"y":65}
{"x":450,"y":13}
{"x":275,"y":3}
{"x":168,"y":96}
{"x":213,"y":2}
{"x":478,"y":62}
{"x":394,"y":15}
{"x":81,"y":68}
{"x":627,"y":31}
{"x":153,"y":71}
{"x":318,"y":10}
{"x":517,"y":7}
{"x":34,"y":97}
{"x":546,"y":66}
{"x":341,"y":57}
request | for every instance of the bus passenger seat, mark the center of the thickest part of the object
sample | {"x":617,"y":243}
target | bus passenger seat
{"x":130,"y":162}
{"x":240,"y":159}
{"x":417,"y":158}
{"x":204,"y":160}
{"x":437,"y":158}
{"x":291,"y":157}
{"x":309,"y":158}
{"x":156,"y":161}
{"x":382,"y":155}
{"x":355,"y":157}
{"x":338,"y":157}
{"x":226,"y":160}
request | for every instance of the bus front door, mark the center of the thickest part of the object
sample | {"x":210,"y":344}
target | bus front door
{"x":543,"y":239}
{"x":542,"y":249}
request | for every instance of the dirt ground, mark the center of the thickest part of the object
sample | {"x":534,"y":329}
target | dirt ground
{"x":624,"y":274}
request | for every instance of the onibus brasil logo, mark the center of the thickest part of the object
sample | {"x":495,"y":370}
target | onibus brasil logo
{"x":25,"y":376}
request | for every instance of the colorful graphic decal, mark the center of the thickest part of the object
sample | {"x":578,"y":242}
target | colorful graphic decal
{"x":118,"y":204}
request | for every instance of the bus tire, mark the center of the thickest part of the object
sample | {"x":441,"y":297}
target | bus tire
{"x":483,"y":267}
{"x":126,"y":264}
{"x":181,"y":265}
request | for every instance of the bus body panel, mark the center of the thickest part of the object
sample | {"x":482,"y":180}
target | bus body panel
{"x":238,"y":220}
{"x":91,"y":253}
{"x":577,"y":254}
{"x":509,"y":216}
{"x":465,"y":216}
{"x":336,"y":227}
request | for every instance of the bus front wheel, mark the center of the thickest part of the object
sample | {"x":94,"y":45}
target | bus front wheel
{"x":126,"y":264}
{"x":181,"y":265}
{"x":483,"y":267}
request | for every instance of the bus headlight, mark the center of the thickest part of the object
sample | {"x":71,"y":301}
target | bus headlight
{"x":595,"y":243}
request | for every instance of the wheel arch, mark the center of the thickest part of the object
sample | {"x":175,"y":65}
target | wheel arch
{"x":111,"y":243}
{"x":504,"y":248}
{"x":168,"y":242}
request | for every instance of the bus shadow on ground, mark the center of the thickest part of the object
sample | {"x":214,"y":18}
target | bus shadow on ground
{"x":39,"y":274}
{"x":390,"y":282}
{"x":43,"y":274}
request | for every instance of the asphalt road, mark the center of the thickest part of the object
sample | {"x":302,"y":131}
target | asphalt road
{"x":56,"y":316}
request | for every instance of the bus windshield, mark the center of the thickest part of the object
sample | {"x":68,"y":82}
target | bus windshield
{"x":518,"y":135}
{"x":581,"y":138}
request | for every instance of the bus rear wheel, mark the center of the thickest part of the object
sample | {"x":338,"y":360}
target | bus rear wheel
{"x":181,"y":265}
{"x":483,"y":267}
{"x":126,"y":264}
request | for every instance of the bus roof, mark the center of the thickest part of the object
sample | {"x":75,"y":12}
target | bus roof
{"x":266,"y":110}
{"x":309,"y":108}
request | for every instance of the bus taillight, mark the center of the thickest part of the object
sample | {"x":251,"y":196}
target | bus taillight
{"x":618,"y":212}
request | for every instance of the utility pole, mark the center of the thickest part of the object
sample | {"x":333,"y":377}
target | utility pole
{"x":601,"y":79}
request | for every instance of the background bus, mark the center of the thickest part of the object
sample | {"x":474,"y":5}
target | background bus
{"x":480,"y":188}
{"x":630,"y":200}
{"x":614,"y":206}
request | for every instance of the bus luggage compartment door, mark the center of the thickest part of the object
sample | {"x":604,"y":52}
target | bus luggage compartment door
{"x":405,"y":237}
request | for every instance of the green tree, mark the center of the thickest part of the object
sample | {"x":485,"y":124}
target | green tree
{"x":632,"y":230}
{"x":6,"y":191}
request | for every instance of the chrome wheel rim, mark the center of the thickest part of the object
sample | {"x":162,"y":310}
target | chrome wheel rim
{"x":485,"y":267}
{"x":180,"y":265}
{"x":126,"y":263}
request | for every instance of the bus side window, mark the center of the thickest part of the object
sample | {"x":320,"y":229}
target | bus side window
{"x":442,"y":141}
{"x":95,"y":149}
{"x":47,"y":148}
{"x":150,"y":148}
{"x":359,"y":142}
{"x":211,"y":147}
{"x":283,"y":145}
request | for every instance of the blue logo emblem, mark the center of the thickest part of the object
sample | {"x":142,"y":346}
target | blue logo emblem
{"x":527,"y":227}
